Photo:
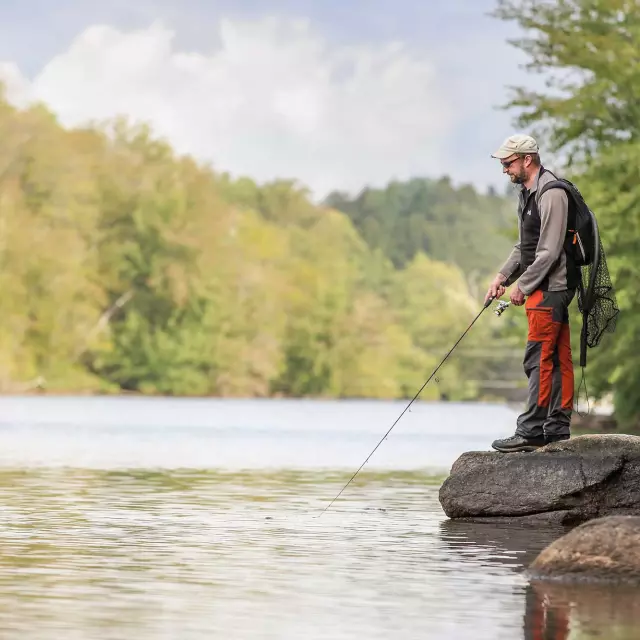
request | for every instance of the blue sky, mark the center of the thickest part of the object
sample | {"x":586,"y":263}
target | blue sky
{"x":421,"y":83}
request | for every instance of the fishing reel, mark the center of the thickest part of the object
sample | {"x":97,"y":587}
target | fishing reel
{"x":501,"y":308}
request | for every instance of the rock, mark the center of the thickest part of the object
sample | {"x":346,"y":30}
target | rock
{"x":566,"y":482}
{"x":604,"y":548}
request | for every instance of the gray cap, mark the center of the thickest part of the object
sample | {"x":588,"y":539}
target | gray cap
{"x":518,"y":143}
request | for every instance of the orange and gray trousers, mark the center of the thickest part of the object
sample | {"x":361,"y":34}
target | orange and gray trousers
{"x":548,"y":365}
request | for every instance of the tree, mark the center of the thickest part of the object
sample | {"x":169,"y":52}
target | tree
{"x":588,"y":52}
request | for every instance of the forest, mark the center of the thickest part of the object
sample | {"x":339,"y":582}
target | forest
{"x":126,"y":268}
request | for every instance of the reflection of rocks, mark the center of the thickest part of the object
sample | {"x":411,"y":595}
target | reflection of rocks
{"x":566,"y":482}
{"x":602,"y":548}
{"x":511,"y":544}
{"x":605,"y":548}
{"x":553,"y":610}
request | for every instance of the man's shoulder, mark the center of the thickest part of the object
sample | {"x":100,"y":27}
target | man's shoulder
{"x":547,"y":176}
{"x":552,"y":195}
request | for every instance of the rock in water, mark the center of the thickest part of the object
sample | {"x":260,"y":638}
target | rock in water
{"x":604,"y":548}
{"x":565,"y":482}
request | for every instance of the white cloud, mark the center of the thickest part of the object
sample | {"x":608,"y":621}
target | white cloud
{"x":274,"y":99}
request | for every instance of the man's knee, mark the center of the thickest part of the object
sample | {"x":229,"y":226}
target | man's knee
{"x":532,"y":356}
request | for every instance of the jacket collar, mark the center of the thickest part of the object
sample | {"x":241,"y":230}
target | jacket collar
{"x":527,"y":193}
{"x":534,"y":187}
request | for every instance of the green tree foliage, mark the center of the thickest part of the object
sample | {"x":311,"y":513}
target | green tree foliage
{"x":49,"y":298}
{"x":127,"y":268}
{"x":455,"y":225}
{"x":589,"y":51}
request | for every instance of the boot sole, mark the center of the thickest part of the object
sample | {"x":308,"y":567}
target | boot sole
{"x":523,"y":449}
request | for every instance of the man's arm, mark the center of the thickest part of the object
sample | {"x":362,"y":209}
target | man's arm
{"x":508,"y":273}
{"x":511,"y":269}
{"x":553,"y":208}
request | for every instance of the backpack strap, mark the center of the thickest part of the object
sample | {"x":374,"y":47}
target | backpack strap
{"x":565,"y":186}
{"x":554,"y":184}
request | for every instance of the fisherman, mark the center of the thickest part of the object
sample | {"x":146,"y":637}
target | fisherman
{"x":545,"y":282}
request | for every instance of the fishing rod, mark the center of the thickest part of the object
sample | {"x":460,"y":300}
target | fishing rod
{"x":502,"y":306}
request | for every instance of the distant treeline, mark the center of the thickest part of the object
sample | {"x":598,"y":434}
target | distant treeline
{"x":125,"y":267}
{"x":455,"y":225}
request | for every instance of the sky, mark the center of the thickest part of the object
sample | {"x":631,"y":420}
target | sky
{"x":336,"y":95}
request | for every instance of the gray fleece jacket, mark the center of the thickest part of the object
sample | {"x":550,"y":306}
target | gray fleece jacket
{"x":553,"y":207}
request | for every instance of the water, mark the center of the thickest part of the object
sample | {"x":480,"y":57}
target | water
{"x":193,"y":519}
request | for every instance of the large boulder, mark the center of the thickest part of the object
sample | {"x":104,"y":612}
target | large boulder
{"x":604,"y":548}
{"x":566,"y":482}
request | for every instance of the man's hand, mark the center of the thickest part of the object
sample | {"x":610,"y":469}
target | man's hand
{"x":517,"y":297}
{"x":496,"y":288}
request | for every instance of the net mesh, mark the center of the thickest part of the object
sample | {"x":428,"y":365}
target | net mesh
{"x":599,"y":304}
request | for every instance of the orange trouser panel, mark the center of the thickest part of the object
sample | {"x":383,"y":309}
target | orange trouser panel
{"x":547,"y":326}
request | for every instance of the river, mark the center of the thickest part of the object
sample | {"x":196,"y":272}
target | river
{"x":198,"y":518}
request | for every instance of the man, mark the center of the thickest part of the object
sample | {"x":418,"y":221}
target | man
{"x":547,"y":279}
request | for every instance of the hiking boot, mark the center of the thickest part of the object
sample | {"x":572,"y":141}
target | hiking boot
{"x":518,"y":443}
{"x":556,"y":438}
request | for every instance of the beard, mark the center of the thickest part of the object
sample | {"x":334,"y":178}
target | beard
{"x":520,"y":177}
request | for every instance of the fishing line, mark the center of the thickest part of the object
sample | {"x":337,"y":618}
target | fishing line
{"x":501,"y":307}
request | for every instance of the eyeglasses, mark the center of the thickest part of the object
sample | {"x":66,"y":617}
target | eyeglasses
{"x":508,"y":163}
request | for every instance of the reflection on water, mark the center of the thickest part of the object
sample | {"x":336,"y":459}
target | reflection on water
{"x":557,"y":611}
{"x":553,"y":610}
{"x":106,"y":551}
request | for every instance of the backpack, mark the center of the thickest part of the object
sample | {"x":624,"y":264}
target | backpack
{"x":596,"y":296}
{"x":582,"y":242}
